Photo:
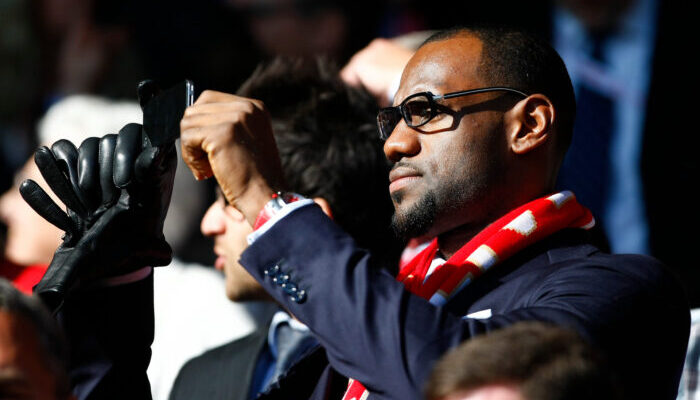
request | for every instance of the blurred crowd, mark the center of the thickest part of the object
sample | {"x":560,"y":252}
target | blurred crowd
{"x":69,"y":70}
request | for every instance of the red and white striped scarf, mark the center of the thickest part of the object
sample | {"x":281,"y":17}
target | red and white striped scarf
{"x":503,"y":238}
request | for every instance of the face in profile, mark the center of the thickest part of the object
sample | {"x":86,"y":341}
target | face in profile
{"x":229,"y":229}
{"x":31,"y":239}
{"x":444,"y":171}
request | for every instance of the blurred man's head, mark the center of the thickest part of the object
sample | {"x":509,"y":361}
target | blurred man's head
{"x":526,"y":361}
{"x":326,"y":136}
{"x":32,"y":351}
{"x":480,"y":155}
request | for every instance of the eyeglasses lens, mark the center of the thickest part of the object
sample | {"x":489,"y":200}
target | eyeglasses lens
{"x":387,"y":119}
{"x":417,"y":111}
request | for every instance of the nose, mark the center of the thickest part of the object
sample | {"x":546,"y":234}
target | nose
{"x":403,"y":142}
{"x":213,"y":222}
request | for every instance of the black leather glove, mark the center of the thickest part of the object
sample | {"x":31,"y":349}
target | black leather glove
{"x":117,"y":191}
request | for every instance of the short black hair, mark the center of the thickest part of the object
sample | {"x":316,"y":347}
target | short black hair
{"x":326,"y":133}
{"x":525,"y":61}
{"x":541,"y":360}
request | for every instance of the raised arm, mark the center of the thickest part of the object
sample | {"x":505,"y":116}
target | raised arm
{"x":117,"y":190}
{"x":377,"y":332}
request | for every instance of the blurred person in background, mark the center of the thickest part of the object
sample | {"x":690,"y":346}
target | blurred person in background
{"x":19,"y":66}
{"x":86,"y":47}
{"x":30,"y":240}
{"x":308,"y":28}
{"x":33,"y":353}
{"x":525,"y":361}
{"x":329,"y":150}
{"x":53,"y":49}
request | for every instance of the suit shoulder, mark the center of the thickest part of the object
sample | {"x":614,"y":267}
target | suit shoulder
{"x":619,"y":278}
{"x":225,"y":352}
{"x":642,"y":269}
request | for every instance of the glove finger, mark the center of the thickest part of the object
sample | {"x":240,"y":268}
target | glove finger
{"x":109,"y":192}
{"x":60,"y":276}
{"x":40,"y":202}
{"x":89,"y":171}
{"x":67,"y":156}
{"x":154,"y":162}
{"x":145,"y":162}
{"x":127,"y":149}
{"x":57,"y":180}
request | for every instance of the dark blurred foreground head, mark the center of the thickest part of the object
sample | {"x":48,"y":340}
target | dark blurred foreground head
{"x":526,"y":361}
{"x":32,"y":349}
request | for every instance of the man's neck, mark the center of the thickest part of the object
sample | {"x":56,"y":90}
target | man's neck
{"x":450,"y":242}
{"x":454,"y":239}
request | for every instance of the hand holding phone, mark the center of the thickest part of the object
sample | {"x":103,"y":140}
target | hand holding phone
{"x":129,"y":178}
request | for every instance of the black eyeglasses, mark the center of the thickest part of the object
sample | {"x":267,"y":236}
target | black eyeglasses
{"x":419,"y":108}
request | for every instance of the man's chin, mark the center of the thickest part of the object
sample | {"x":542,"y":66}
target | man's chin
{"x":414,"y":220}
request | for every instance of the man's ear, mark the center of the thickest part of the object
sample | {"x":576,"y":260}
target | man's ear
{"x":530,"y":123}
{"x":323,"y":203}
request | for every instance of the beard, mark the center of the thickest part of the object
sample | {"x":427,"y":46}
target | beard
{"x":417,"y":220}
{"x":445,"y":202}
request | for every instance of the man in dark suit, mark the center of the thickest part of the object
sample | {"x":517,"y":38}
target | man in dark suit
{"x":622,"y":57}
{"x":483,"y":120}
{"x":325,"y":134}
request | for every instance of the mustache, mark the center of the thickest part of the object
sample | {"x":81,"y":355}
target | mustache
{"x":405,"y":165}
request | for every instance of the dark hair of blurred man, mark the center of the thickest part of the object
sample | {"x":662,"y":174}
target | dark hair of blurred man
{"x":326,"y":135}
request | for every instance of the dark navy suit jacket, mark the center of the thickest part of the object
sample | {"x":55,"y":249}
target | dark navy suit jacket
{"x":375,"y":331}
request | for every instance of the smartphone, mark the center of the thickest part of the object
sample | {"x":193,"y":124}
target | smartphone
{"x":162,"y":113}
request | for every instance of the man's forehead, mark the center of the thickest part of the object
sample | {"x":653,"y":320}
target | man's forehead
{"x":443,"y":66}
